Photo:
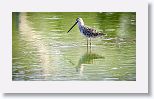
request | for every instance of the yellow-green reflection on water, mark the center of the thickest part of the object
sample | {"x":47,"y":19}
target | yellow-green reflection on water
{"x":44,"y":51}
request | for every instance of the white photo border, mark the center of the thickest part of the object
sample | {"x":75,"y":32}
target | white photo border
{"x":138,"y":86}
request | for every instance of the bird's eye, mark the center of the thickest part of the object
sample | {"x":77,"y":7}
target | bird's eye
{"x":77,"y":19}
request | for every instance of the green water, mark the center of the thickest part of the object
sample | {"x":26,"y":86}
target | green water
{"x":42,"y":50}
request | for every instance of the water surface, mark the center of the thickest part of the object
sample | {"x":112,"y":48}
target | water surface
{"x":44,"y":51}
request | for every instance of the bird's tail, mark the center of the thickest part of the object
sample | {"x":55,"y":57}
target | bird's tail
{"x":102,"y":34}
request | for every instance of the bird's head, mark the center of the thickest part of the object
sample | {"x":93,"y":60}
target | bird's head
{"x":79,"y":21}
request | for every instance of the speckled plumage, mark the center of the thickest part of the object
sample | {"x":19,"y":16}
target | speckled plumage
{"x":85,"y":30}
{"x":90,"y":32}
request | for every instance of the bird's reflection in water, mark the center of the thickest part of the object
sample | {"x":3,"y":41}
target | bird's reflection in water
{"x":87,"y":58}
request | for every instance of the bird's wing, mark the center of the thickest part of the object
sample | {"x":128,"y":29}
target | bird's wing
{"x":93,"y":31}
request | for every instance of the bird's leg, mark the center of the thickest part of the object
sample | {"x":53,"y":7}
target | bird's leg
{"x":87,"y":44}
{"x":90,"y":42}
{"x":90,"y":45}
{"x":87,"y":41}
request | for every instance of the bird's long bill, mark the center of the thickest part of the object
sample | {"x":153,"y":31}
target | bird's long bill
{"x":72,"y":27}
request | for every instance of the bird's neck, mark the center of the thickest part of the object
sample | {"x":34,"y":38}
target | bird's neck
{"x":81,"y":23}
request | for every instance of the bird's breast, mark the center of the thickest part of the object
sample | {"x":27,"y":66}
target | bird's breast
{"x":81,"y":29}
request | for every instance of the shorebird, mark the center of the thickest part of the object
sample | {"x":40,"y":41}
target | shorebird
{"x":86,"y":31}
